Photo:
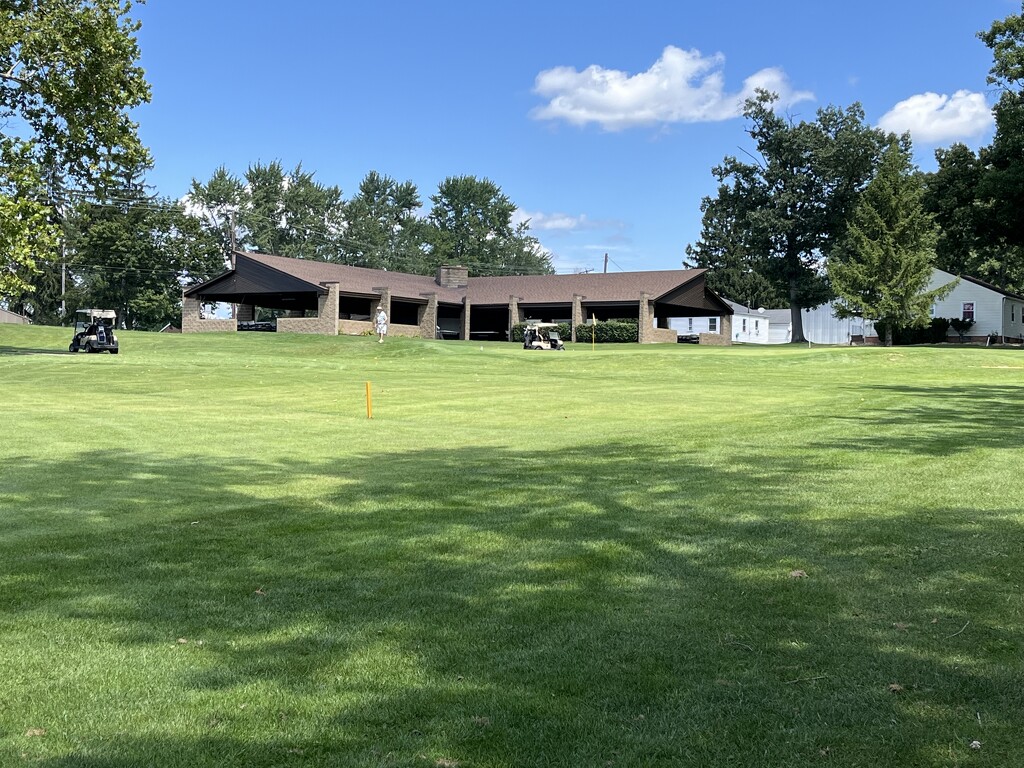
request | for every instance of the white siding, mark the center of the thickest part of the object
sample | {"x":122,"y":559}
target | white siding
{"x":821,"y":326}
{"x":687,"y":325}
{"x":751,"y":329}
{"x":989,"y":311}
{"x":1013,"y":323}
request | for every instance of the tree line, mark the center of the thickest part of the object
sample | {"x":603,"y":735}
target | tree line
{"x":824,"y":208}
{"x":833,"y":208}
{"x":79,"y":227}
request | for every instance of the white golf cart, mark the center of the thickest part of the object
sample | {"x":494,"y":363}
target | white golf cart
{"x":542,"y":336}
{"x":94,"y":331}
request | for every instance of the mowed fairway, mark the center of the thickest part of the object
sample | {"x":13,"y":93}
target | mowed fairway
{"x":657,"y":556}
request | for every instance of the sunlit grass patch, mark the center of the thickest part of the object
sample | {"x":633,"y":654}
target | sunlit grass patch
{"x":630,"y":556}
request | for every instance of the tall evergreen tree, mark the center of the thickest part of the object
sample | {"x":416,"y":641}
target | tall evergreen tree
{"x":883,"y":264}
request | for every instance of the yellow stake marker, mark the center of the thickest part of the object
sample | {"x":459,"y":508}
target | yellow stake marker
{"x":369,"y":402}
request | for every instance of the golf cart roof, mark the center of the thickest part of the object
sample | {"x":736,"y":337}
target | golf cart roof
{"x":103,"y":313}
{"x":542,"y":325}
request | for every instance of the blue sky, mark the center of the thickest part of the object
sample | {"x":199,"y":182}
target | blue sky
{"x":600,"y":120}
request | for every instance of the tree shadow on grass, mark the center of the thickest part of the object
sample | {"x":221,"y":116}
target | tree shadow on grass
{"x":613,"y":604}
{"x":939,"y":420}
{"x":6,"y":351}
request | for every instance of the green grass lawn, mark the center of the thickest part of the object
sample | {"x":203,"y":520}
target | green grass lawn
{"x":656,"y":556}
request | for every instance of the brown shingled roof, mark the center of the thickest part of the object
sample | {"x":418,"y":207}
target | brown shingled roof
{"x":595,"y":287}
{"x":360,"y":280}
{"x":674,"y":285}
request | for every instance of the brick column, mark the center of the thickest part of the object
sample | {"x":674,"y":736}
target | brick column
{"x":644,"y":335}
{"x":327,"y":309}
{"x":577,"y":313}
{"x":191,"y":314}
{"x":245,"y":313}
{"x":514,"y":315}
{"x":726,"y":327}
{"x":428,"y":317}
{"x":385,"y":301}
{"x":466,"y":306}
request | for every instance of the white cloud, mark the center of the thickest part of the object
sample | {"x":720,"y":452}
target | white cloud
{"x":933,"y":117}
{"x":560,"y":222}
{"x":680,"y":87}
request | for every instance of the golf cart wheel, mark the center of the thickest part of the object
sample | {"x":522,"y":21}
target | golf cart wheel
{"x":72,"y":347}
{"x":113,"y":351}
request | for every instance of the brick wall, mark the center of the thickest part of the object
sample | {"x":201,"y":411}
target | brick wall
{"x":360,"y":327}
{"x":662,"y":336}
{"x":645,"y":331}
{"x":715,"y":339}
{"x":326,"y":321}
{"x":193,"y":322}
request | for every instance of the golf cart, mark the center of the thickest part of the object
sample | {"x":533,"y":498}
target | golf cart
{"x":94,"y":331}
{"x":542,"y":336}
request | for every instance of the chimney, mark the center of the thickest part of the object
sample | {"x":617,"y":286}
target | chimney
{"x":452,"y":277}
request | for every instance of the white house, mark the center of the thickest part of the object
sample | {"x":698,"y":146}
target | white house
{"x":749,"y":326}
{"x":995,"y":312}
{"x":693,"y":326}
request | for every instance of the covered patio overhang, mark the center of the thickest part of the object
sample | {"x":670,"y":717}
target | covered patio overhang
{"x":260,"y":286}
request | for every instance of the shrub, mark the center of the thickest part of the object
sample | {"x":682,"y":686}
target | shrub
{"x":933,"y":333}
{"x":961,"y":326}
{"x":609,"y":332}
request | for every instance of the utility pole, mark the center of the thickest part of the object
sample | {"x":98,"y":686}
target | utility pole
{"x":606,"y":264}
{"x":231,"y":235}
{"x":234,"y":245}
{"x":56,"y":194}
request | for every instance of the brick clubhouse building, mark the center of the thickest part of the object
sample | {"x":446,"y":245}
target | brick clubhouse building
{"x":324,"y":298}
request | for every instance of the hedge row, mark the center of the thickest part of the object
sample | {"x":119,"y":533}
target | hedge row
{"x":609,"y":332}
{"x":604,"y":332}
{"x":933,"y":333}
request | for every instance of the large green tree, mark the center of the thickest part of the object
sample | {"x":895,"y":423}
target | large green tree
{"x":68,"y":80}
{"x":471,"y":224}
{"x":26,"y":229}
{"x":271,"y":210}
{"x":972,"y":240}
{"x":69,"y":76}
{"x":216,"y":203}
{"x":382,"y":227}
{"x":999,"y":200}
{"x":881,"y":268}
{"x":136,"y":254}
{"x":781,"y":212}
